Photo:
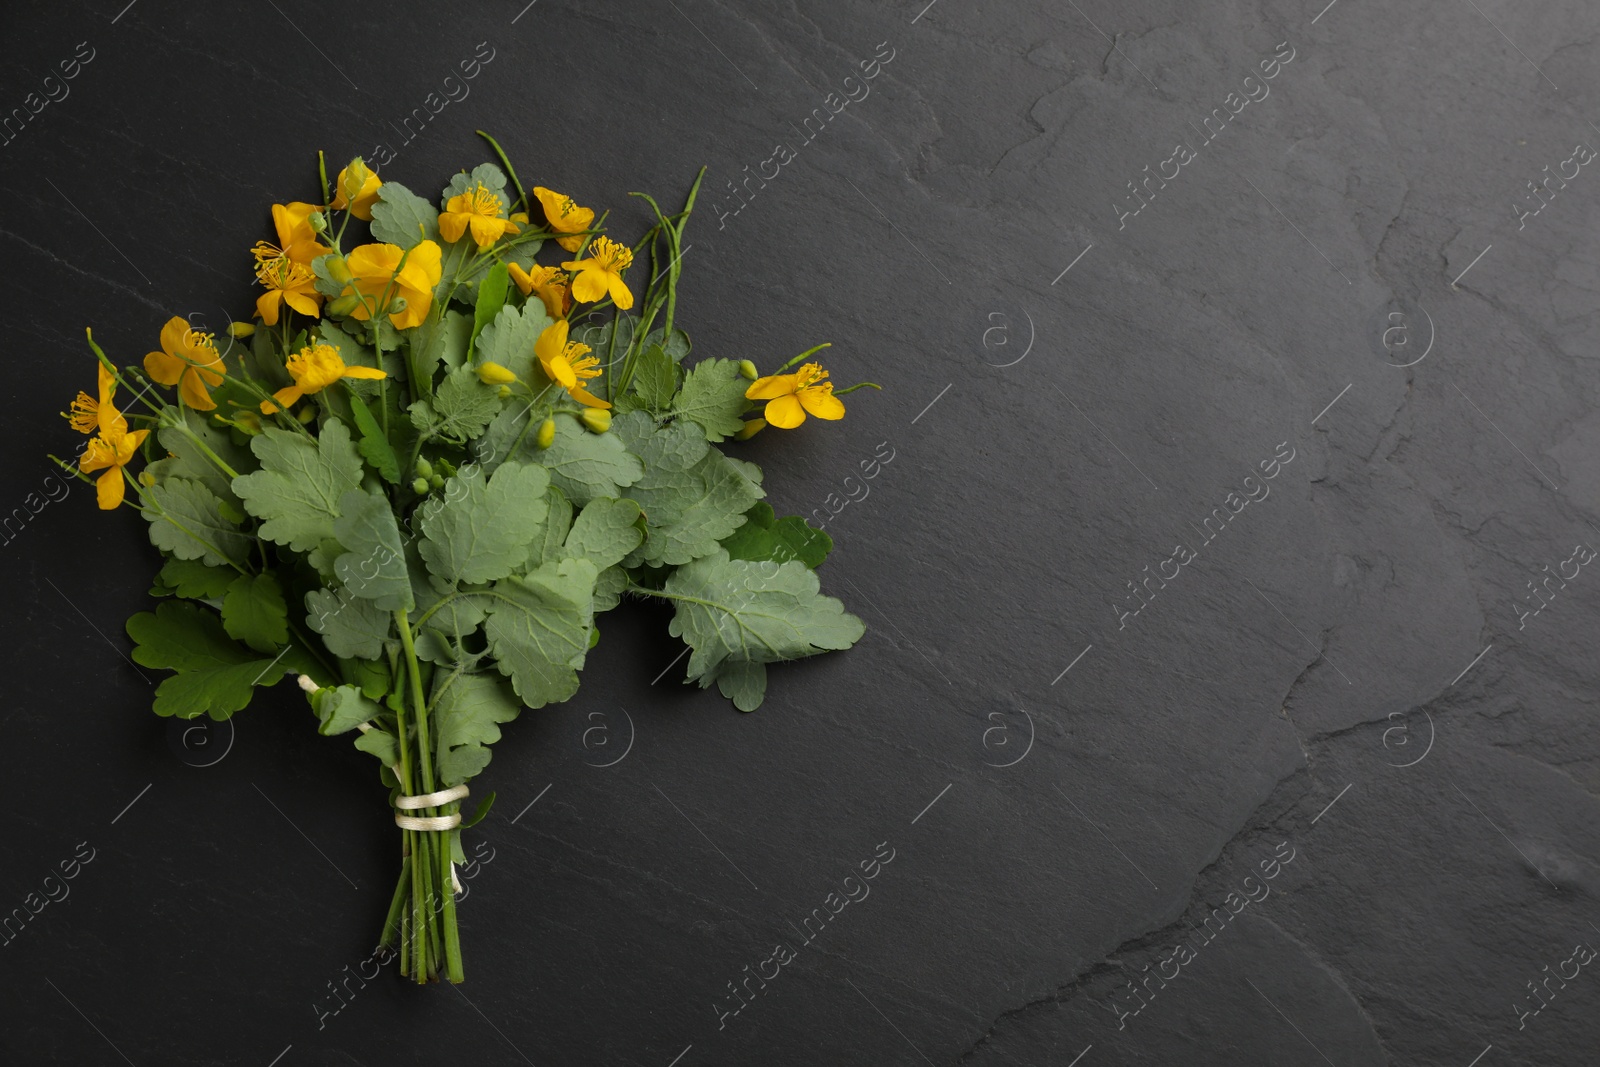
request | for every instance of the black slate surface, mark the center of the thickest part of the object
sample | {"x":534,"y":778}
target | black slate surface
{"x":1328,"y":796}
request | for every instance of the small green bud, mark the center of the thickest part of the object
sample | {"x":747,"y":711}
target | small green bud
{"x":547,"y":433}
{"x":307,"y":414}
{"x":504,"y":392}
{"x":424,"y":468}
{"x":437,"y":481}
{"x":338,"y":269}
{"x":343,"y":306}
{"x":318,"y":221}
{"x":147,"y":479}
{"x":748,"y":370}
{"x":594,"y":636}
{"x":397,"y":305}
{"x":420,"y":486}
{"x":597,"y":419}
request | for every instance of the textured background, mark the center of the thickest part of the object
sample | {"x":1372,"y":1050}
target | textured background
{"x":1349,"y":675}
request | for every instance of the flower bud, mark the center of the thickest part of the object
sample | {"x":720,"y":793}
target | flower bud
{"x":750,"y":429}
{"x":353,"y":178}
{"x":491,"y":373}
{"x":504,"y":392}
{"x":338,"y":269}
{"x":318,"y":221}
{"x":147,"y":479}
{"x":519,"y":217}
{"x":343,"y":306}
{"x":307,"y":683}
{"x":424,"y":468}
{"x":748,"y":370}
{"x":547,"y":433}
{"x":397,"y":305}
{"x":597,"y":419}
{"x":420,"y":486}
{"x":241,"y":329}
{"x":436,"y":481}
{"x":306,"y":415}
{"x":248,"y":422}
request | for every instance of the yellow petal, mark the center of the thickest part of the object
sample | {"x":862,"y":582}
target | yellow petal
{"x":267,"y":306}
{"x":108,"y":489}
{"x":785,"y":412}
{"x":820,"y":401}
{"x":285,"y":398}
{"x":365,"y":372}
{"x":620,"y":293}
{"x":589,"y":286}
{"x":586,"y":398}
{"x":523,"y":279}
{"x":771,"y":387}
{"x":452,"y":225}
{"x":302,"y":303}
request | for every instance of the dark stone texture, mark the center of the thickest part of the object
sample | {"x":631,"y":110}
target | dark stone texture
{"x":1312,"y":654}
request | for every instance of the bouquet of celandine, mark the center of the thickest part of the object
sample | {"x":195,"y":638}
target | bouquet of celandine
{"x":412,"y":486}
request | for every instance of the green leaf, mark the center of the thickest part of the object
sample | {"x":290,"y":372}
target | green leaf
{"x":608,"y":588}
{"x":478,"y":530}
{"x":194,"y":580}
{"x":381,"y":744}
{"x":586,"y":465}
{"x":739,"y":611}
{"x":550,"y":544}
{"x":462,"y":408}
{"x":374,"y":564}
{"x":186,"y":522}
{"x":342,"y":708}
{"x":253,"y":611}
{"x":441,"y":340}
{"x":298,"y":487}
{"x":488,"y":175}
{"x":351,"y":627}
{"x":713,"y":397}
{"x":538,"y":629}
{"x":215,"y":675}
{"x":655,"y":378}
{"x":189,"y":461}
{"x":401,"y":217}
{"x":606,"y":532}
{"x":743,"y":682}
{"x":467,"y":711}
{"x":691,"y":494}
{"x":491,"y":298}
{"x":509,"y":339}
{"x":374,"y":446}
{"x":676,"y":346}
{"x":764,"y":536}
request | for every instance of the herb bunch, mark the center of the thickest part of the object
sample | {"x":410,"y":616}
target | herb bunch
{"x":430,"y":462}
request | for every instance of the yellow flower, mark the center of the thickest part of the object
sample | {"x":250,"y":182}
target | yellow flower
{"x":375,"y":270}
{"x":85,"y":414}
{"x":110,"y":452}
{"x":565,"y":217}
{"x":602,"y":273}
{"x":478,"y":209}
{"x":189,"y":360}
{"x":790,"y":397}
{"x":549,"y":282}
{"x":313,"y":369}
{"x":285,"y":268}
{"x":568,"y":363}
{"x":357,"y":189}
{"x":113,"y":449}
